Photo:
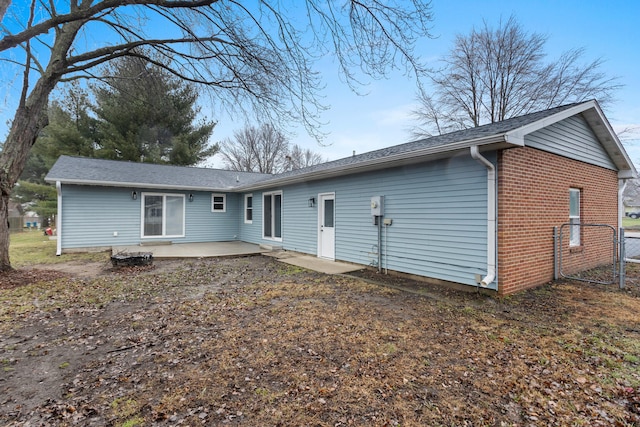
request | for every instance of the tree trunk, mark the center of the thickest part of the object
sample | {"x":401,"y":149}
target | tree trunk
{"x":4,"y":233}
{"x":31,"y":117}
{"x":27,"y":124}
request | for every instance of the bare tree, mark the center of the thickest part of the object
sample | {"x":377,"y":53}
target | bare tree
{"x":491,"y":75}
{"x":299,"y":158}
{"x":256,"y":149}
{"x":264,"y":149}
{"x":257,"y":56}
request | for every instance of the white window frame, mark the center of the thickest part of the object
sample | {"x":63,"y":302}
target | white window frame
{"x":248,"y":208}
{"x":224,"y":202}
{"x":164,"y":234}
{"x":264,"y":216}
{"x":574,"y":218}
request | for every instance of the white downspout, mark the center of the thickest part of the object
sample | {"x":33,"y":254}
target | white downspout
{"x":59,"y":220}
{"x":622,"y":184}
{"x":491,"y":215}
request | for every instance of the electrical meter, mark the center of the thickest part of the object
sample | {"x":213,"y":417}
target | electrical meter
{"x":376,"y":205}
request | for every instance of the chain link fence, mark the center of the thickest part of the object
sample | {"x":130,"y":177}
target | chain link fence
{"x":597,"y":253}
{"x":631,"y":254}
{"x":587,"y":252}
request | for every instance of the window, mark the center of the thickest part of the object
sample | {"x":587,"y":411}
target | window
{"x":218,"y":203}
{"x":272,"y":215}
{"x":574,"y":217}
{"x":248,"y":208}
{"x":162,"y":215}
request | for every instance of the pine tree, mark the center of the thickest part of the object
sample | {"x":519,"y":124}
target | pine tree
{"x":71,"y":131}
{"x":147,"y":115}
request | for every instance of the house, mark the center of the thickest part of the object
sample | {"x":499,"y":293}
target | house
{"x":475,"y":207}
{"x":15,"y":216}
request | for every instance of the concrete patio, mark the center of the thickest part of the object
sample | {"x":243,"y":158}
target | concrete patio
{"x":222,"y":249}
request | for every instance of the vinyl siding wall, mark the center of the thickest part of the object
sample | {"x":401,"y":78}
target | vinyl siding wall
{"x":91,"y":215}
{"x":571,"y":138}
{"x":439,"y":213}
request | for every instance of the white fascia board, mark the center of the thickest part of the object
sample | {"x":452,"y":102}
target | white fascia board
{"x":607,"y":136}
{"x":627,"y":174}
{"x":137,"y":185}
{"x":376,"y":164}
{"x":548,"y":121}
{"x":612,"y":143}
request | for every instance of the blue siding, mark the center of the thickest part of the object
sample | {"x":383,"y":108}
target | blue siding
{"x":202,"y":225}
{"x":250,"y":232}
{"x":90,"y":216}
{"x":439,"y":212}
{"x":572,"y":138}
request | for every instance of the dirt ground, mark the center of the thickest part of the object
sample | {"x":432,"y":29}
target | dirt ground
{"x":251,"y":341}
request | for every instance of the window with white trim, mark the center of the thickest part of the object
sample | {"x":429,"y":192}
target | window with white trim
{"x":218,"y":202}
{"x":574,"y":217}
{"x":162,"y":215}
{"x":272,"y":215}
{"x":248,"y":208}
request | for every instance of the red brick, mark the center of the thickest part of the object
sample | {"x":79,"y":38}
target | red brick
{"x":533,"y":197}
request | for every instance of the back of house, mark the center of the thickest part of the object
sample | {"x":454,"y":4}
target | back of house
{"x":475,"y":208}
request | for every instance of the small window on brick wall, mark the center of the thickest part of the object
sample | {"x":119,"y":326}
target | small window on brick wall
{"x":574,"y":217}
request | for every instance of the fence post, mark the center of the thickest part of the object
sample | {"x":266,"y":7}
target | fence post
{"x":555,"y":253}
{"x":623,"y":255}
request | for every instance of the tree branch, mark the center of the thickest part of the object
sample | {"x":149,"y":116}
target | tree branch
{"x":86,"y":13}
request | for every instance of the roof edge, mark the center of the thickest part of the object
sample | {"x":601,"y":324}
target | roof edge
{"x":397,"y":159}
{"x":133,"y":185}
{"x":612,"y":145}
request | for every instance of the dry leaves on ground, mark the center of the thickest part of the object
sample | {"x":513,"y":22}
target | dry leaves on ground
{"x":251,"y":341}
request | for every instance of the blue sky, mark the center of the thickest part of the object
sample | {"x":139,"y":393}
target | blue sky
{"x":607,"y":29}
{"x":381,"y":118}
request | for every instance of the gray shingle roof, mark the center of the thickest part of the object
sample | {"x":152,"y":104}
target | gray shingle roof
{"x":485,"y":131}
{"x":81,"y":170}
{"x":106,"y":172}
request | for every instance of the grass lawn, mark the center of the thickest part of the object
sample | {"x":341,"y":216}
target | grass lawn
{"x":34,"y":248}
{"x":631,"y":223}
{"x":254,"y":342}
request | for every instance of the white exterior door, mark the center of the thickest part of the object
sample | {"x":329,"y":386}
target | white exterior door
{"x":326,"y":226}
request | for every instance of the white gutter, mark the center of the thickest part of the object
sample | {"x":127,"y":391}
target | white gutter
{"x":59,"y":220}
{"x":141,"y":185}
{"x":491,"y":216}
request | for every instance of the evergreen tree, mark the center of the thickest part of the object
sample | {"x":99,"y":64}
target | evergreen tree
{"x":147,"y":115}
{"x":71,"y":131}
{"x":39,"y":198}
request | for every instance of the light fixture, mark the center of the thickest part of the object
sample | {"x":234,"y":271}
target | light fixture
{"x":312,"y":202}
{"x":191,"y":197}
{"x":134,"y":195}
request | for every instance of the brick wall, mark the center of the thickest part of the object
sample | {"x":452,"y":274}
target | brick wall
{"x":533,"y":197}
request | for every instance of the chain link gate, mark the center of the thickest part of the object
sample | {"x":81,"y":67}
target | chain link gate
{"x":597,"y":257}
{"x":631,"y":256}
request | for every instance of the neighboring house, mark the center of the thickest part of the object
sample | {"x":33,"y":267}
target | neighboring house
{"x":15,"y":216}
{"x":15,"y":209}
{"x":473,"y":207}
